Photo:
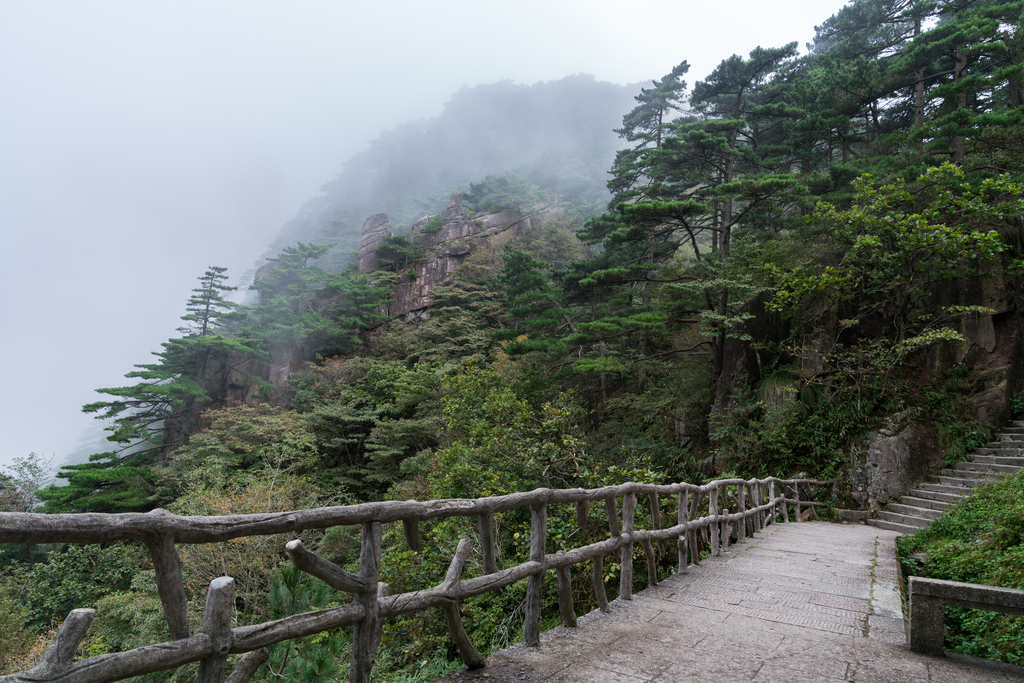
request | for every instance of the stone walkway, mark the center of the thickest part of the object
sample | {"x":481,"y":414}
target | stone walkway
{"x":799,"y":602}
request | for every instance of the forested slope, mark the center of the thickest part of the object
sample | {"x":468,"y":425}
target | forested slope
{"x":804,"y":258}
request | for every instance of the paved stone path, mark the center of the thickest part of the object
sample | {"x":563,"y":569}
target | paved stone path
{"x":799,"y":602}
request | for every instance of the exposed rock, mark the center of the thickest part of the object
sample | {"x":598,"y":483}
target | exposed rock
{"x":894,"y":458}
{"x":375,"y":230}
{"x":447,"y":248}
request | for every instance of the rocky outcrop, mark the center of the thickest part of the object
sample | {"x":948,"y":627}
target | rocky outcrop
{"x":892,"y":459}
{"x":447,"y":246}
{"x":375,"y":230}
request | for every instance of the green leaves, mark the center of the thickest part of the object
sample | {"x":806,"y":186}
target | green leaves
{"x":898,"y":239}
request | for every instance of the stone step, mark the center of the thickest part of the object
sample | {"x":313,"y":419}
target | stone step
{"x":904,"y":508}
{"x":927,"y":502}
{"x":984,"y":467}
{"x":998,"y":453}
{"x":908,"y":520}
{"x":970,"y":473}
{"x":1016,"y":461}
{"x":940,"y":496}
{"x":956,"y":482}
{"x":893,"y":526}
{"x":1011,"y":437}
{"x":1008,"y":446}
{"x":955,"y":491}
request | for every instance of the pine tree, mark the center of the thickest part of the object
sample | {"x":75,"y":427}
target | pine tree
{"x":152,"y":417}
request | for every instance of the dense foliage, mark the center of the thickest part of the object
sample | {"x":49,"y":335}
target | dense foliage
{"x":981,"y":540}
{"x":764,"y":286}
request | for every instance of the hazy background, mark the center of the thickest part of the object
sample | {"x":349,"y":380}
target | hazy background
{"x":142,"y":142}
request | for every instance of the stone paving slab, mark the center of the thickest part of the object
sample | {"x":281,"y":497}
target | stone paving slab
{"x":798,"y":602}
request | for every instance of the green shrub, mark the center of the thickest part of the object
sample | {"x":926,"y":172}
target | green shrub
{"x":980,"y":540}
{"x":435,"y":224}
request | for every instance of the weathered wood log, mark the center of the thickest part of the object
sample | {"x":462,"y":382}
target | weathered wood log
{"x":582,"y":520}
{"x":652,"y":562}
{"x":597,"y":583}
{"x":249,"y":638}
{"x":59,"y":666}
{"x":94,"y":527}
{"x":486,"y":524}
{"x":692,"y":541}
{"x":411,"y":527}
{"x":626,"y":556}
{"x":713,"y":512}
{"x":726,"y":529}
{"x":325,"y":570}
{"x":682,"y":517}
{"x":741,"y":507}
{"x":656,"y":520}
{"x":470,"y":656}
{"x":365,"y":631}
{"x":169,"y":583}
{"x":613,"y":516}
{"x":60,"y":654}
{"x":217,"y":625}
{"x":565,"y":606}
{"x":161,"y":530}
{"x":535,"y":584}
{"x":247,"y":665}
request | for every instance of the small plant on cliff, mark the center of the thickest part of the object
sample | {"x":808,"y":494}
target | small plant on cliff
{"x":434,"y":225}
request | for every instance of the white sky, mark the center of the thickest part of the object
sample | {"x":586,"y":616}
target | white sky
{"x":141,"y":142}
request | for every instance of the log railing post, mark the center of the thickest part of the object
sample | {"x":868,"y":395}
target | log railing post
{"x":613,"y":517}
{"x":365,"y":633}
{"x":626,"y":558}
{"x":656,"y":520}
{"x":565,"y":606}
{"x":683,"y":518}
{"x":486,"y":523}
{"x":771,"y":498}
{"x":597,"y":564}
{"x":535,"y":584}
{"x":217,"y":625}
{"x":169,"y":584}
{"x":741,"y":507}
{"x":59,"y":656}
{"x":713,"y":512}
{"x":796,"y":499}
{"x":247,"y":665}
{"x":757,"y":503}
{"x":412,"y":533}
{"x":470,"y":656}
{"x":692,"y":541}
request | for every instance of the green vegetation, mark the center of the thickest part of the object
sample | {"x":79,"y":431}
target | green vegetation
{"x":980,"y":540}
{"x":787,"y":259}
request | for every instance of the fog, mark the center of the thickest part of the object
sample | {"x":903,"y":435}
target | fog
{"x":143,"y":142}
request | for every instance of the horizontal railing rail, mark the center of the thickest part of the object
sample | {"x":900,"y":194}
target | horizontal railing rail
{"x":755,"y":503}
{"x":928,"y":601}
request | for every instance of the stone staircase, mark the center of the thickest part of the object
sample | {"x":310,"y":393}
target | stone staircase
{"x":919,"y":506}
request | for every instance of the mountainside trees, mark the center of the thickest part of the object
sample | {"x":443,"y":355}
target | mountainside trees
{"x":765,"y":286}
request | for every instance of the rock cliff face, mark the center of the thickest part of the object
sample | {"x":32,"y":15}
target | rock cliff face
{"x":906,"y":448}
{"x":447,"y":245}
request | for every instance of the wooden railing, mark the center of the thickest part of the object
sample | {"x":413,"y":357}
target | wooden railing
{"x":756,"y":503}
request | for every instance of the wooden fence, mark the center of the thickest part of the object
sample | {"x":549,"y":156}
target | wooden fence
{"x":755,"y":503}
